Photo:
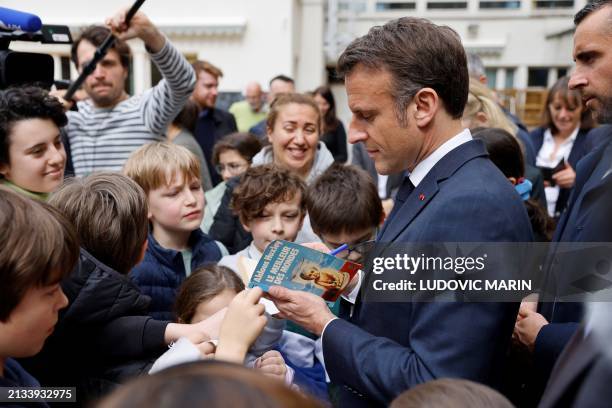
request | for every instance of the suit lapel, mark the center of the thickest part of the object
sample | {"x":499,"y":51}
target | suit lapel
{"x":424,"y":193}
{"x":577,"y":356}
{"x":589,"y":174}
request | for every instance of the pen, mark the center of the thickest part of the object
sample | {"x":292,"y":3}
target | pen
{"x":339,"y":249}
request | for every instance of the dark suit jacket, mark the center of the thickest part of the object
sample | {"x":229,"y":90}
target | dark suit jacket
{"x":386,"y":348}
{"x":223,"y":124}
{"x":581,"y":377}
{"x":581,"y":147}
{"x":361,"y":159}
{"x":586,"y":219}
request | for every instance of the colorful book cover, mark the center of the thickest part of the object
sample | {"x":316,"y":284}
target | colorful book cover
{"x":296,"y":267}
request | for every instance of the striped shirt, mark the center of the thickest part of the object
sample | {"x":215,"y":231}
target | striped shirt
{"x":103,"y":138}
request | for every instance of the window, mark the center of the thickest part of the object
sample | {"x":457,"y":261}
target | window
{"x":446,"y":5}
{"x":355,"y":6}
{"x":500,"y":4}
{"x":538,"y":77}
{"x":491,"y":74}
{"x":553,"y":4}
{"x":561,"y":72}
{"x":395,"y":5}
{"x":509,"y":83}
{"x":65,"y":64}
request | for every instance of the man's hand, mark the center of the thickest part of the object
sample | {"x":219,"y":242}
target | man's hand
{"x":272,"y":364}
{"x":528,"y":325}
{"x":79,"y":95}
{"x":243,"y":322}
{"x":566,"y":177}
{"x":307,"y":310}
{"x":140,"y":26}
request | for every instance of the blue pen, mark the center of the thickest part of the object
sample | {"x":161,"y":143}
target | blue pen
{"x":339,"y":249}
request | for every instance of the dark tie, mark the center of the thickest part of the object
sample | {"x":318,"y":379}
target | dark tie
{"x":402,"y":194}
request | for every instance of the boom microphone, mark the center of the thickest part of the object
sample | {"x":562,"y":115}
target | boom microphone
{"x":18,"y":20}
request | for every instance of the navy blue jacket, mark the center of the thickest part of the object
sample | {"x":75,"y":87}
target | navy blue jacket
{"x":581,"y":147}
{"x":586,"y":219}
{"x":386,"y":348}
{"x":162,"y":271}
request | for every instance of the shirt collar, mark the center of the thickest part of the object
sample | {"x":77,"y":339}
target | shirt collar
{"x":549,"y":137}
{"x":420,"y":171}
{"x":253,"y":252}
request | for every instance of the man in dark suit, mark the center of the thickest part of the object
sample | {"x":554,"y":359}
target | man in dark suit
{"x":407,"y":85}
{"x":587,"y":218}
{"x":212,"y":123}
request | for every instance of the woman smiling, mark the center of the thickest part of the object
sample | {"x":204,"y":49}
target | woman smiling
{"x":32,"y":156}
{"x":293,"y":128}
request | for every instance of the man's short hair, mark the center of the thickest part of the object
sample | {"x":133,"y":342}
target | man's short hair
{"x":154,"y":165}
{"x":417,"y":54}
{"x":263,"y":185}
{"x":207,"y":67}
{"x":38,"y":247}
{"x":96,"y":35}
{"x":343,"y":199}
{"x":21,"y":103}
{"x":109,"y":211}
{"x":283,"y":78}
{"x":589,"y":8}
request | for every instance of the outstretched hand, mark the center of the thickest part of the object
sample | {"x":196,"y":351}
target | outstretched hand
{"x":243,"y":322}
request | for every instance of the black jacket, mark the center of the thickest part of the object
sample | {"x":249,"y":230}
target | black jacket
{"x":103,"y":337}
{"x":226,"y":227}
{"x":211,"y":126}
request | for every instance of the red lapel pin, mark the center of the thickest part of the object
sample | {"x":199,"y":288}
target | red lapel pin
{"x":422,"y":197}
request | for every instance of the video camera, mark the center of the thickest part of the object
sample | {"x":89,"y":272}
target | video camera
{"x":18,"y":68}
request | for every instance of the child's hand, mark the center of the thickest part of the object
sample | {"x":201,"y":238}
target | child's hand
{"x":272,"y":364}
{"x":207,"y":349}
{"x":243,"y":322}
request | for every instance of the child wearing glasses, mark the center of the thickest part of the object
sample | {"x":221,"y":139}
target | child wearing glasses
{"x":231,"y":157}
{"x":344,"y":208}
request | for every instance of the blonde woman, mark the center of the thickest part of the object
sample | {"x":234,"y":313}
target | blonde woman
{"x":482,"y":111}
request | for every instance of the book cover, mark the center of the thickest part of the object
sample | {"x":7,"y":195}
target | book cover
{"x":297,"y":267}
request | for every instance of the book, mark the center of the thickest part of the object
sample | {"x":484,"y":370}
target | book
{"x":296,"y":267}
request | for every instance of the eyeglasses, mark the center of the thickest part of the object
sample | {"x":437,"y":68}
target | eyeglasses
{"x":356,"y":252}
{"x":232,"y":168}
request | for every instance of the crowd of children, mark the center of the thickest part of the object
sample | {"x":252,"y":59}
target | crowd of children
{"x":147,"y":276}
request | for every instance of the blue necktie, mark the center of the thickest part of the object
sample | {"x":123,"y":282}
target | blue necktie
{"x":402,"y":194}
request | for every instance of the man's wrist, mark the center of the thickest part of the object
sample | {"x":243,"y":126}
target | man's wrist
{"x":154,"y":40}
{"x":327,"y":324}
{"x":324,"y":321}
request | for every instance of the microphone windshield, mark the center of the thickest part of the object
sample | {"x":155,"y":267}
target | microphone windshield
{"x":17,"y":20}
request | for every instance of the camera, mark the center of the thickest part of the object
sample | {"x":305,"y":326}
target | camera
{"x":17,"y":68}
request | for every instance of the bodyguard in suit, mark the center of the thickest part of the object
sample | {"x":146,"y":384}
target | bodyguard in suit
{"x":407,"y":85}
{"x":212,"y":123}
{"x":588,"y":217}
